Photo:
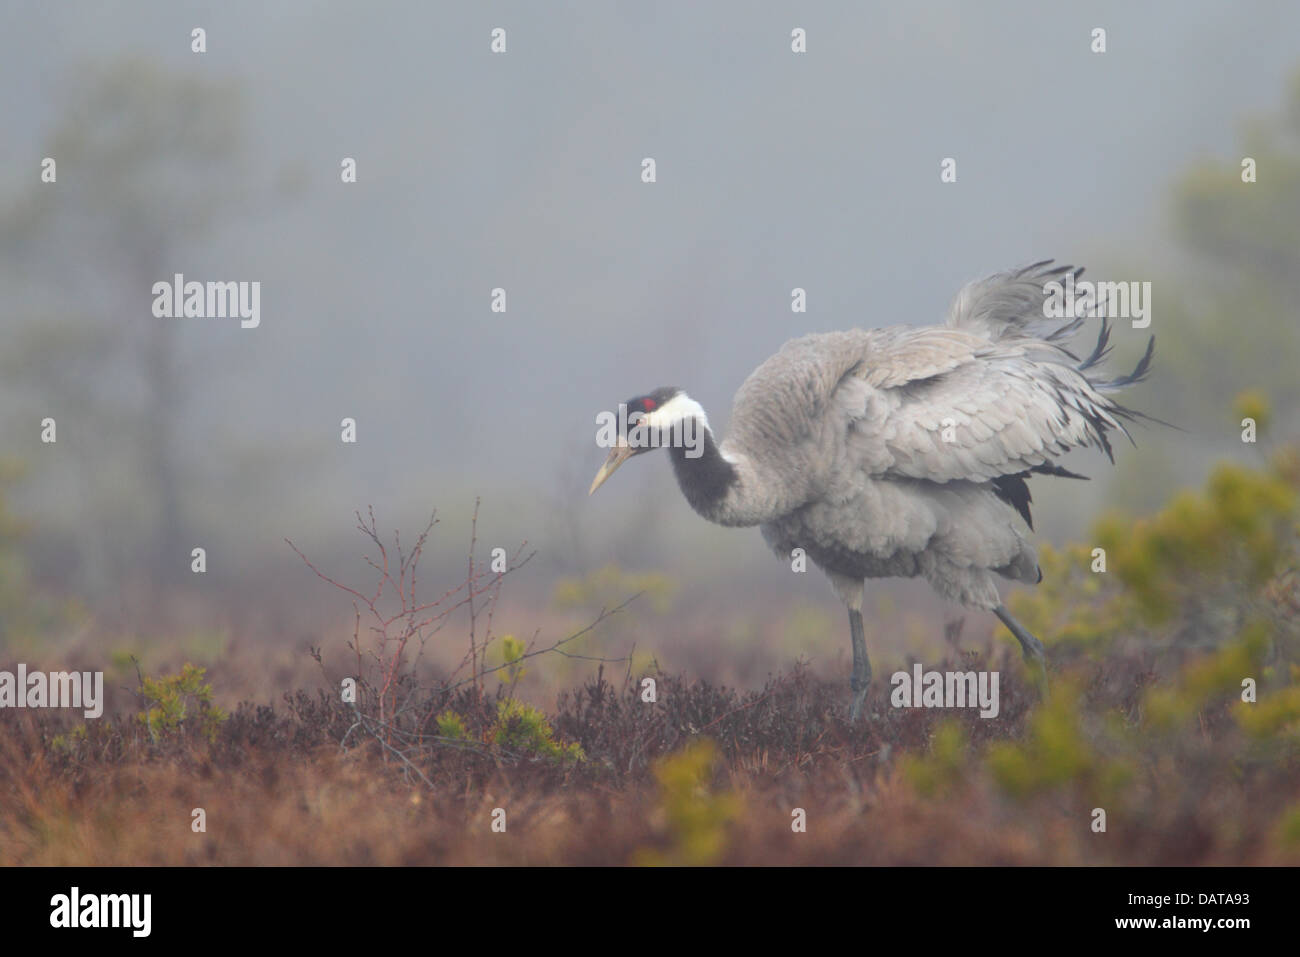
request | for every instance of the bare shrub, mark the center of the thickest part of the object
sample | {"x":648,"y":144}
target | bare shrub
{"x":394,"y":703}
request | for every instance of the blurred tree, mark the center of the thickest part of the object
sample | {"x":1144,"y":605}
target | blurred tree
{"x":148,"y":160}
{"x":27,"y":616}
{"x":1224,"y":316}
{"x":1234,"y":322}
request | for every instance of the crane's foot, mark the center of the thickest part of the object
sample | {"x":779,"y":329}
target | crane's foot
{"x":1031,"y":647}
{"x":861,"y":680}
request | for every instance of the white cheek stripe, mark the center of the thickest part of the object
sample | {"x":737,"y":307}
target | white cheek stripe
{"x":677,"y":409}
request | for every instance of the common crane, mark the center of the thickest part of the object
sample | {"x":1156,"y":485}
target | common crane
{"x":899,"y":451}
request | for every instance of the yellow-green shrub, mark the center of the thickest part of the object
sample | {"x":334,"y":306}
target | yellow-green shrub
{"x":173,"y":700}
{"x":695,"y":818}
{"x":524,"y":729}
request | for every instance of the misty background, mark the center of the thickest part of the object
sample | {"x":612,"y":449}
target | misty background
{"x":522,"y":170}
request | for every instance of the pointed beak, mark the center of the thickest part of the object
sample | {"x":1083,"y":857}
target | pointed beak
{"x":617,"y":456}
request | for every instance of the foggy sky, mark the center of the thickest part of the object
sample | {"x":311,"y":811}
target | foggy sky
{"x":522,"y":171}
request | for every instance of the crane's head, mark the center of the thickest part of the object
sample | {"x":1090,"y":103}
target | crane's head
{"x":646,"y":422}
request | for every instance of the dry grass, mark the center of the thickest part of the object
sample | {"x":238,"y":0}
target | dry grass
{"x":277,"y":789}
{"x":1175,"y":710}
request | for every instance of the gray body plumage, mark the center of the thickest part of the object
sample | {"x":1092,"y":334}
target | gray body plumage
{"x":902,"y":451}
{"x":839,"y":440}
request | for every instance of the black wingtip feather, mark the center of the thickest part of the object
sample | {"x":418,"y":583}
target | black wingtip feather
{"x":1051,"y":468}
{"x":1101,"y":350}
{"x":1139,"y":372}
{"x":1013,"y":490}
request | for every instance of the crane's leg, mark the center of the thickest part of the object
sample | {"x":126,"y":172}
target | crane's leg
{"x":861,"y":664}
{"x":1030,"y":646}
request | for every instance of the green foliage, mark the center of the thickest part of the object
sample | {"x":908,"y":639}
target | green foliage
{"x":68,"y":743}
{"x":1289,"y":829}
{"x":451,"y":725}
{"x":1213,"y":684}
{"x":695,"y":818}
{"x":177,"y":701}
{"x":1209,"y":583}
{"x":1205,"y":567}
{"x":1253,"y":404}
{"x":1208,"y":681}
{"x":1056,"y":753}
{"x":1276,"y":717}
{"x":522,"y":728}
{"x":512,"y":653}
{"x":940,"y":770}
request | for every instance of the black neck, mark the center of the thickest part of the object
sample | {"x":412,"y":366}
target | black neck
{"x":706,"y":479}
